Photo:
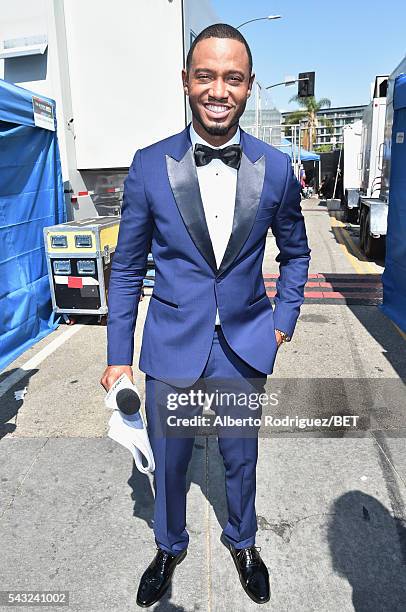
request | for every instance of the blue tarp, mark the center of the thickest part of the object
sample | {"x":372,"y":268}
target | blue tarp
{"x":31,"y":198}
{"x":292,"y":150}
{"x":394,"y":275}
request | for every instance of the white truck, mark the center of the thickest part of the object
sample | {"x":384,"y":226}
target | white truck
{"x":114,"y":70}
{"x":363,"y":142}
{"x":375,"y":159}
{"x":372,"y":211}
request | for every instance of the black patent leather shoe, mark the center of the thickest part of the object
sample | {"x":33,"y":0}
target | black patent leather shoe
{"x":157,"y":577}
{"x":252,"y":571}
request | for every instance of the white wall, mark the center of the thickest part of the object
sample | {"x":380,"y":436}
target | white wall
{"x":121,"y":78}
{"x":125,"y":59}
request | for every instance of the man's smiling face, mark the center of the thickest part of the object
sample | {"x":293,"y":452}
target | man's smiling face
{"x":218,"y":85}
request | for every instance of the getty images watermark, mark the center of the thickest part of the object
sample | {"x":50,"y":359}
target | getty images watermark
{"x":236,"y":408}
{"x":251,"y":401}
{"x":208,"y":400}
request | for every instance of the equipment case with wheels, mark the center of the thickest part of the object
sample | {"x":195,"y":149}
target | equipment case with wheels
{"x":79,"y":257}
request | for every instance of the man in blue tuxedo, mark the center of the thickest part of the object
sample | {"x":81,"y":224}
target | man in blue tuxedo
{"x":202,"y":202}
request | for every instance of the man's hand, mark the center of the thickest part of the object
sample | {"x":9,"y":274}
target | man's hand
{"x":278,"y":337}
{"x":112,"y":373}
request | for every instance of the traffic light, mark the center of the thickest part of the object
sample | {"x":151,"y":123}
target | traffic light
{"x":306,"y":84}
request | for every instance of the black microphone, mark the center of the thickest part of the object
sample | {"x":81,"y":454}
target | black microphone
{"x":128,"y":401}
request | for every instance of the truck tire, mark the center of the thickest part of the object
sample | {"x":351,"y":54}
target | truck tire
{"x":373,"y":247}
{"x":352,"y":215}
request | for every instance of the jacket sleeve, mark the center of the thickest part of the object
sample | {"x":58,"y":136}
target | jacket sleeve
{"x":129,"y":267}
{"x":289,"y":230}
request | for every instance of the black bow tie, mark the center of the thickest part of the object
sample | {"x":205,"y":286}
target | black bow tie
{"x":231,"y":155}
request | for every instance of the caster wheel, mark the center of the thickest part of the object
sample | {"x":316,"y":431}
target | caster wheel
{"x":69,"y":320}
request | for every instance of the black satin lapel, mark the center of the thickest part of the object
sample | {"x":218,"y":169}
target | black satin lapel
{"x":185,"y":188}
{"x":250,"y":182}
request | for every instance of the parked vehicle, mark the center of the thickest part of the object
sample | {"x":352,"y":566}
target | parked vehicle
{"x":372,"y":196}
{"x":372,"y":210}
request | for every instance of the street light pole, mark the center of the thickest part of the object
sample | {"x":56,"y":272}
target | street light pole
{"x":257,"y":107}
{"x":270,"y":17}
{"x":258,"y":87}
{"x":286,"y":83}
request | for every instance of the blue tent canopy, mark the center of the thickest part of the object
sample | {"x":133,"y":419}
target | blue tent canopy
{"x":292,"y":150}
{"x":31,"y":198}
{"x":394,"y":275}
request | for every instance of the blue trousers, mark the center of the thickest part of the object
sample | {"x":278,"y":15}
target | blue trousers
{"x":223,"y":372}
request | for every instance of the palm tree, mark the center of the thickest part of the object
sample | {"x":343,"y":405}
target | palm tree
{"x":311,"y":107}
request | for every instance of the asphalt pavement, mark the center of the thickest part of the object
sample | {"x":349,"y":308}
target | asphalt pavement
{"x":76,"y":515}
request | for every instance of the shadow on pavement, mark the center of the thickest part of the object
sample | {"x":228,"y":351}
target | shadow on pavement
{"x":367,"y":547}
{"x":9,"y":406}
{"x":142,"y":496}
{"x":381,"y":328}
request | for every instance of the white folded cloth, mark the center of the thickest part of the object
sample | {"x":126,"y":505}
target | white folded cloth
{"x":130,"y":432}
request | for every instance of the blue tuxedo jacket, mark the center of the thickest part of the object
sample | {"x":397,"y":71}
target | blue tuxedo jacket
{"x":163,"y":213}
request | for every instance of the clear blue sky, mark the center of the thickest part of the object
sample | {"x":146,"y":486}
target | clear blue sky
{"x":347,"y":43}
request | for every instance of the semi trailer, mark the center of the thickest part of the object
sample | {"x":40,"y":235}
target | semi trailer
{"x":368,"y":202}
{"x":373,"y":210}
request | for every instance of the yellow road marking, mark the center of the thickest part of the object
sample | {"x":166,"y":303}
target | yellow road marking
{"x":402,"y":333}
{"x":352,"y":259}
{"x":357,"y":259}
{"x":355,"y":248}
{"x":367,"y":265}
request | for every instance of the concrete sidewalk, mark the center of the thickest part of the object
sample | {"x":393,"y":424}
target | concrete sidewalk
{"x":76,"y":515}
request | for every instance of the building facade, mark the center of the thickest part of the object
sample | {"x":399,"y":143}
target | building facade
{"x":337,"y":117}
{"x":269,"y":124}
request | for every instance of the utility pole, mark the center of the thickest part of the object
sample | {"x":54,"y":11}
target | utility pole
{"x":257,"y":107}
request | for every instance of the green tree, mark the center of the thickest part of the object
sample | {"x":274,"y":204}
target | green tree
{"x":308,"y":116}
{"x":324,"y":148}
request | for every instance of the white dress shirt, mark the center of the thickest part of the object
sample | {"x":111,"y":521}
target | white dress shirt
{"x":218,"y":184}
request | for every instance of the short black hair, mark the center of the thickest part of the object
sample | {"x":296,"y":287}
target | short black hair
{"x":218,"y":30}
